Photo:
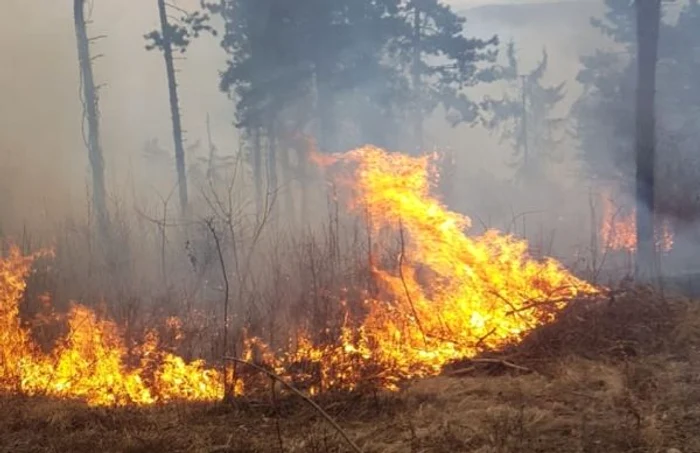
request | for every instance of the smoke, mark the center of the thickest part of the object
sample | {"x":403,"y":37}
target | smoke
{"x":44,"y":172}
{"x":44,"y":161}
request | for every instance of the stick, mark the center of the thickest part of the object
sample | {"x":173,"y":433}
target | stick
{"x":325,"y":415}
{"x":210,"y":224}
{"x":505,"y":363}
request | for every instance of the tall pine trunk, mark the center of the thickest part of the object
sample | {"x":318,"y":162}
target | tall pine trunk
{"x":272,"y":180}
{"x":89,"y":93}
{"x":166,"y":33}
{"x":303,"y":153}
{"x":257,"y":173}
{"x":287,"y":179}
{"x":648,"y":20}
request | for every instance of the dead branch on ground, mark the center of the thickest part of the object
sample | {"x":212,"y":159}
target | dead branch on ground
{"x":297,"y":392}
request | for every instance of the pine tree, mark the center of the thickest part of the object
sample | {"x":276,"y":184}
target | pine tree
{"x":442,"y":61}
{"x":90,"y":102}
{"x":524,"y":116}
{"x":605,"y":123}
{"x":603,"y":116}
{"x":169,"y":39}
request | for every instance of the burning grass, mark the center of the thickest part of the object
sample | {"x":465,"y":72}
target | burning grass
{"x":614,"y":374}
{"x":439,"y":295}
{"x":532,"y":357}
{"x":641,"y":404}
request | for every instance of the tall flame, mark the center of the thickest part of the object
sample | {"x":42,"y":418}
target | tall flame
{"x":450,"y":295}
{"x":443,"y":296}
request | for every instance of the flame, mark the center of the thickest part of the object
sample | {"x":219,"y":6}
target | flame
{"x":441,"y":295}
{"x":619,"y":229}
{"x":89,"y":363}
{"x":450,"y":295}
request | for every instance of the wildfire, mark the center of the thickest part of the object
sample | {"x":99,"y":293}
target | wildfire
{"x":619,"y":229}
{"x":442,"y":296}
{"x":89,"y":362}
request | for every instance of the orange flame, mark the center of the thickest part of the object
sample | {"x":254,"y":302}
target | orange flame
{"x":446,"y":296}
{"x":450,"y":295}
{"x":89,"y":363}
{"x":619,"y":229}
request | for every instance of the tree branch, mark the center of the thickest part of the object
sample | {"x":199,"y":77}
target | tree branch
{"x":318,"y":408}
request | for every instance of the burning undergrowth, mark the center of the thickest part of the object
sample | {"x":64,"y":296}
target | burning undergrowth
{"x":623,"y":325}
{"x":439,"y":295}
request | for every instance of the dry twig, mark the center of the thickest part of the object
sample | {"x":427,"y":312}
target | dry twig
{"x":318,"y":408}
{"x":501,"y":362}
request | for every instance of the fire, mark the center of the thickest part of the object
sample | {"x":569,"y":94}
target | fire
{"x":619,"y":229}
{"x":449,"y":295}
{"x":89,"y":363}
{"x":442,"y":295}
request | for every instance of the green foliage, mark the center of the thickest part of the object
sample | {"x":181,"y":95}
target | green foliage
{"x":279,"y":51}
{"x":348,"y":62}
{"x":603,"y":116}
{"x":447,"y":60}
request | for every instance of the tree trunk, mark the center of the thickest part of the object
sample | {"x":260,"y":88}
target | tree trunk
{"x":174,"y":106}
{"x":325,"y":110}
{"x":648,"y":20}
{"x":287,"y":179}
{"x":211,"y":166}
{"x":272,"y":181}
{"x":303,"y":152}
{"x":417,"y":81}
{"x":525,"y":136}
{"x":99,"y":195}
{"x":257,"y":173}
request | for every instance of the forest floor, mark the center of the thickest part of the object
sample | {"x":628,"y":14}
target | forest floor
{"x":616,"y":375}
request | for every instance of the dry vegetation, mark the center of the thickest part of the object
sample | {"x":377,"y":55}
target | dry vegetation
{"x":618,"y":375}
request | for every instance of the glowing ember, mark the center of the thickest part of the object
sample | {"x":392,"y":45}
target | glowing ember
{"x":619,"y":229}
{"x":446,"y":296}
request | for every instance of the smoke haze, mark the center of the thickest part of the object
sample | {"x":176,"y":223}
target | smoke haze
{"x":44,"y":158}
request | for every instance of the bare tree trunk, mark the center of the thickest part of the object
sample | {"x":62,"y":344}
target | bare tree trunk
{"x":272,"y":180}
{"x":525,"y":138}
{"x":257,"y":172}
{"x":166,"y":32}
{"x":303,"y":154}
{"x":211,"y":167}
{"x":648,"y":20}
{"x":417,"y":82}
{"x":289,"y":207}
{"x":325,"y":110}
{"x":99,"y":194}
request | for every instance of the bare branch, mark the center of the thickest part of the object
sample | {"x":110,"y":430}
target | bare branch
{"x":318,"y":408}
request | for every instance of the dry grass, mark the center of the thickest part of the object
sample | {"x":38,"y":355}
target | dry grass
{"x":647,"y":405}
{"x":618,"y":375}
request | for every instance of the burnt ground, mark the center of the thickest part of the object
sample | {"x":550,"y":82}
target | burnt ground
{"x":621,"y":374}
